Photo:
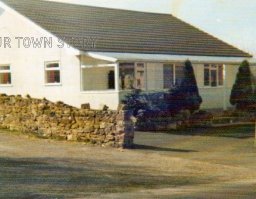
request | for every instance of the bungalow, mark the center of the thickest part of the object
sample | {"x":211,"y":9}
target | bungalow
{"x":80,"y":54}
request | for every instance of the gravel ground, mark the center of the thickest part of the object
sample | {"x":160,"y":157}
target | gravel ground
{"x":206,"y":163}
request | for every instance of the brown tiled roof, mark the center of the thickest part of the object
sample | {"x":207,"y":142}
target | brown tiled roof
{"x":122,"y":31}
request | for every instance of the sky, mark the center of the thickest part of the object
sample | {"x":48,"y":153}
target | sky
{"x":233,"y":21}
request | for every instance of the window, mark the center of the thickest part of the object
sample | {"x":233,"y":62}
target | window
{"x":127,"y":80}
{"x":168,"y":76}
{"x":5,"y":75}
{"x":213,"y":75}
{"x":179,"y":74}
{"x":111,"y":79}
{"x":173,"y":75}
{"x":52,"y":73}
{"x":132,"y":76}
{"x":221,"y":75}
{"x":98,"y":78}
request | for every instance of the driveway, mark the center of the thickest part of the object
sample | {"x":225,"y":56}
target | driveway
{"x":186,"y":164}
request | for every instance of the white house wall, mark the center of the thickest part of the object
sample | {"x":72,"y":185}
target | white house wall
{"x":27,"y":65}
{"x":253,"y":69}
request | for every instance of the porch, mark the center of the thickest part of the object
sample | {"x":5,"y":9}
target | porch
{"x":112,"y":81}
{"x":108,"y":79}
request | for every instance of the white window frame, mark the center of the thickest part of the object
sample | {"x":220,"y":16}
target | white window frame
{"x":6,"y":71}
{"x":52,"y":69}
{"x":211,"y":68}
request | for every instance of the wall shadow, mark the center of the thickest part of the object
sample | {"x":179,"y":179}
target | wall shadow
{"x":155,"y":148}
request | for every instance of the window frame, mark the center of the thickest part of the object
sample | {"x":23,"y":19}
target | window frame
{"x":211,"y":68}
{"x":6,"y":71}
{"x":52,"y":69}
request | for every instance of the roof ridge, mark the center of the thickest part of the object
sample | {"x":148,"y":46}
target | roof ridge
{"x":106,"y":8}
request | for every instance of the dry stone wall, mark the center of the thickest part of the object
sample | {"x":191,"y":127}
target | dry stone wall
{"x":58,"y":120}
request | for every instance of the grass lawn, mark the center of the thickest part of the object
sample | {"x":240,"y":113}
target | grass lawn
{"x":194,"y":163}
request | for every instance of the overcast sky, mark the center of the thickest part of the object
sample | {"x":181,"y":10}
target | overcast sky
{"x":233,"y":21}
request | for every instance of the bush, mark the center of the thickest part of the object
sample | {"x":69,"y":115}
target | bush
{"x":135,"y":102}
{"x":242,"y":95}
{"x":150,"y":104}
{"x":182,"y":97}
{"x":160,"y":109}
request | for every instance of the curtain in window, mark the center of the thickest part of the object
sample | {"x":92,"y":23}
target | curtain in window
{"x":221,"y":76}
{"x":53,"y":76}
{"x":179,"y":74}
{"x":168,"y":76}
{"x":5,"y":78}
{"x":127,"y":76}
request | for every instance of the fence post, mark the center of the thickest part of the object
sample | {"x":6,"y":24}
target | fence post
{"x":125,"y":127}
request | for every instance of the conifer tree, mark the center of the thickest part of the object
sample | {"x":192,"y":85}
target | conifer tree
{"x":186,"y":95}
{"x":189,"y":87}
{"x":242,"y":91}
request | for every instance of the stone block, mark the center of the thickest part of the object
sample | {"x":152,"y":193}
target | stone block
{"x":72,"y":137}
{"x":85,"y":106}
